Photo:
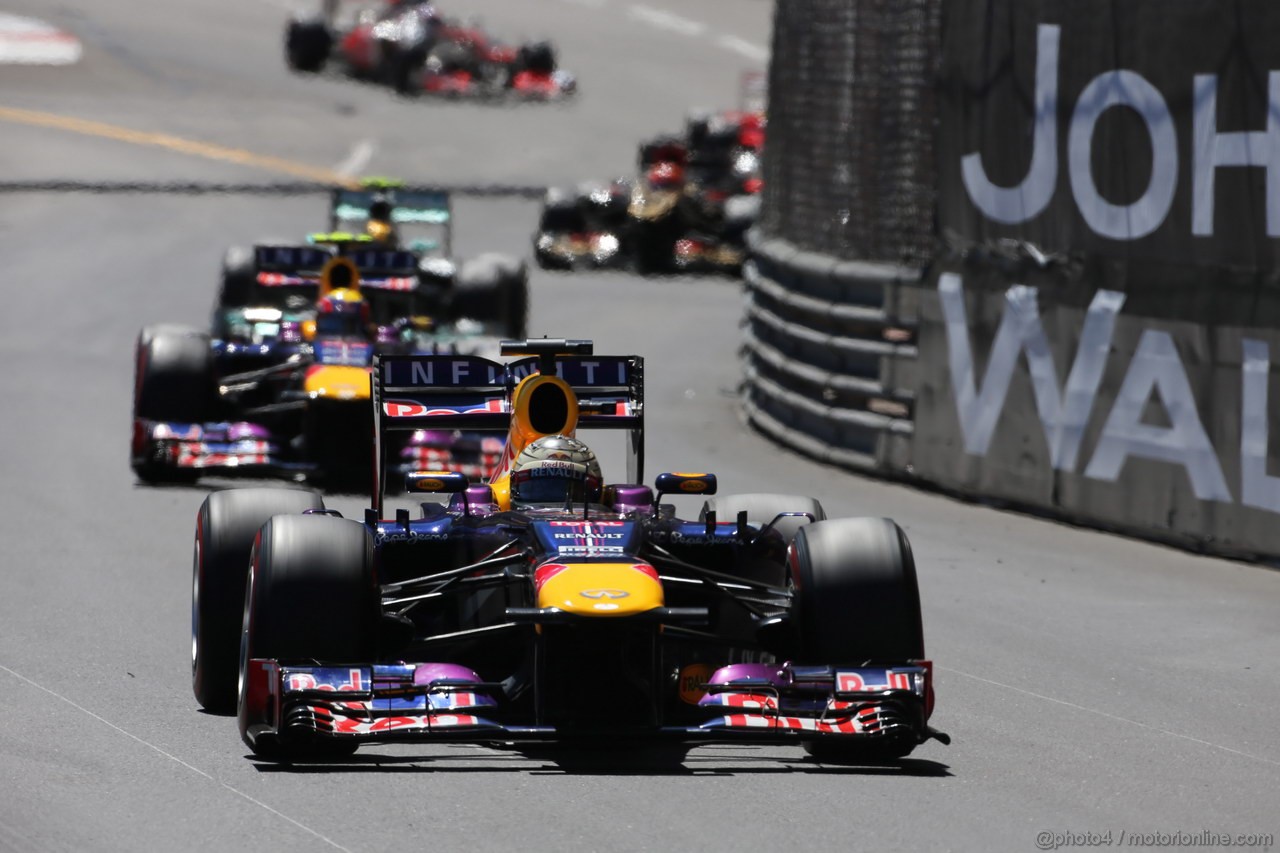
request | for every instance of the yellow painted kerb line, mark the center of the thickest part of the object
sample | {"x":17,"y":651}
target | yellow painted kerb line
{"x":178,"y":144}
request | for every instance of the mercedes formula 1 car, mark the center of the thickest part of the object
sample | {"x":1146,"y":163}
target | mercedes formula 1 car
{"x":544,"y":605}
{"x":400,"y":238}
{"x":410,"y":46}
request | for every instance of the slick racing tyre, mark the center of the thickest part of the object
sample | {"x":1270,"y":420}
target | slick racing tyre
{"x":855,"y":585}
{"x":173,"y":382}
{"x":763,"y":508}
{"x":174,"y":375}
{"x":311,"y":595}
{"x":238,"y":277}
{"x":857,"y":601}
{"x":307,"y":42}
{"x":226,"y":525}
{"x":494,"y":290}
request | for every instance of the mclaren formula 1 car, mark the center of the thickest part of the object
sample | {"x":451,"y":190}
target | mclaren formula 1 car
{"x":544,"y":605}
{"x":411,"y":47}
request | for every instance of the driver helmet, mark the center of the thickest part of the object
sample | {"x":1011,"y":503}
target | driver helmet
{"x":380,"y":232}
{"x":555,"y":469}
{"x":342,"y":313}
{"x":666,"y":176}
{"x":380,"y":226}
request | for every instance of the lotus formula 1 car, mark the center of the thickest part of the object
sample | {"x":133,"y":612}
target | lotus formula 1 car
{"x":688,"y":210}
{"x":544,"y":605}
{"x":410,"y":46}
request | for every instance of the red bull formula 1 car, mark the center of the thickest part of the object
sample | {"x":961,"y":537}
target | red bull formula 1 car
{"x":266,"y":393}
{"x":545,"y":605}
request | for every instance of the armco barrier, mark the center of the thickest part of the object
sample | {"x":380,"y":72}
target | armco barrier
{"x":829,"y":355}
{"x":1015,"y":380}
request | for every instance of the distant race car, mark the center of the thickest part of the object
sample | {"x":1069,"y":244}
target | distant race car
{"x":411,"y":47}
{"x":545,"y":605}
{"x":260,"y":395}
{"x":688,"y":210}
{"x":401,"y":240}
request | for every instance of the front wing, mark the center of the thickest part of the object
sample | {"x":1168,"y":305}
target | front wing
{"x":222,"y":448}
{"x":744,"y":703}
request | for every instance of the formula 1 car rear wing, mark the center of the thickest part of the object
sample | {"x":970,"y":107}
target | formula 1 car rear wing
{"x":349,"y":210}
{"x":412,"y":392}
{"x":290,"y":265}
{"x":301,"y":265}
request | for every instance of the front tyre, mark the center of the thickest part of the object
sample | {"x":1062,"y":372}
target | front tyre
{"x":173,"y":383}
{"x":226,"y":525}
{"x":312,"y":595}
{"x":307,"y":42}
{"x":858,"y":601}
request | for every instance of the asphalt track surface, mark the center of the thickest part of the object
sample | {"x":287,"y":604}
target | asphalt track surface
{"x":1091,"y":683}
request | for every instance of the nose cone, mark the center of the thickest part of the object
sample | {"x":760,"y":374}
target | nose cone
{"x":598,"y":589}
{"x":337,"y":382}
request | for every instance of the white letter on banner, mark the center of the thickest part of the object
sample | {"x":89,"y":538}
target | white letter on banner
{"x":1064,"y":413}
{"x":1257,"y":488}
{"x":1130,"y":221}
{"x":1243,"y":148}
{"x":423,"y":375}
{"x":1156,"y":366}
{"x":1012,"y":205}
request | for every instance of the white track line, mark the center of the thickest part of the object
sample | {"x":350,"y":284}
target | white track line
{"x":28,"y":41}
{"x":744,"y":48}
{"x":1118,"y":719}
{"x":671,"y":22}
{"x":176,"y":759}
{"x":666,"y":20}
{"x":359,"y":157}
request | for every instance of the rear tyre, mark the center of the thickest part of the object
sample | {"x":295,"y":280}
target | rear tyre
{"x":311,"y":595}
{"x":307,"y":42}
{"x":173,"y":382}
{"x":858,"y":601}
{"x":763,"y":508}
{"x":226,"y":526}
{"x":494,"y":290}
{"x":405,"y":70}
{"x":238,"y":277}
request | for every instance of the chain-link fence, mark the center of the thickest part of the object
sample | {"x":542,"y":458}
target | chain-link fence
{"x":850,"y":170}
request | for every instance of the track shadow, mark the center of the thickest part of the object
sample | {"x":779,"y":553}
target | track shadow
{"x":660,"y":761}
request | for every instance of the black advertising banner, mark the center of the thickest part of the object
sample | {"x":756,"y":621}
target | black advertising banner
{"x":1141,"y":130}
{"x":1027,"y":395}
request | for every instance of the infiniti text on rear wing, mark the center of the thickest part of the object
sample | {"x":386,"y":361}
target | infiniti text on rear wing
{"x":412,"y":392}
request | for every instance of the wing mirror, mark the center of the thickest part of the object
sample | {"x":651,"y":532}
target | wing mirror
{"x":683,"y":483}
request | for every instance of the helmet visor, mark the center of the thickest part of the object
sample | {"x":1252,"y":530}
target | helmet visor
{"x":548,"y":484}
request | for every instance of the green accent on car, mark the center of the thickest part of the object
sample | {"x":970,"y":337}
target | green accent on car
{"x":381,"y":183}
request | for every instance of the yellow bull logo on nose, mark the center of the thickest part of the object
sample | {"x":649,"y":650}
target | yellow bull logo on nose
{"x":596,"y":594}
